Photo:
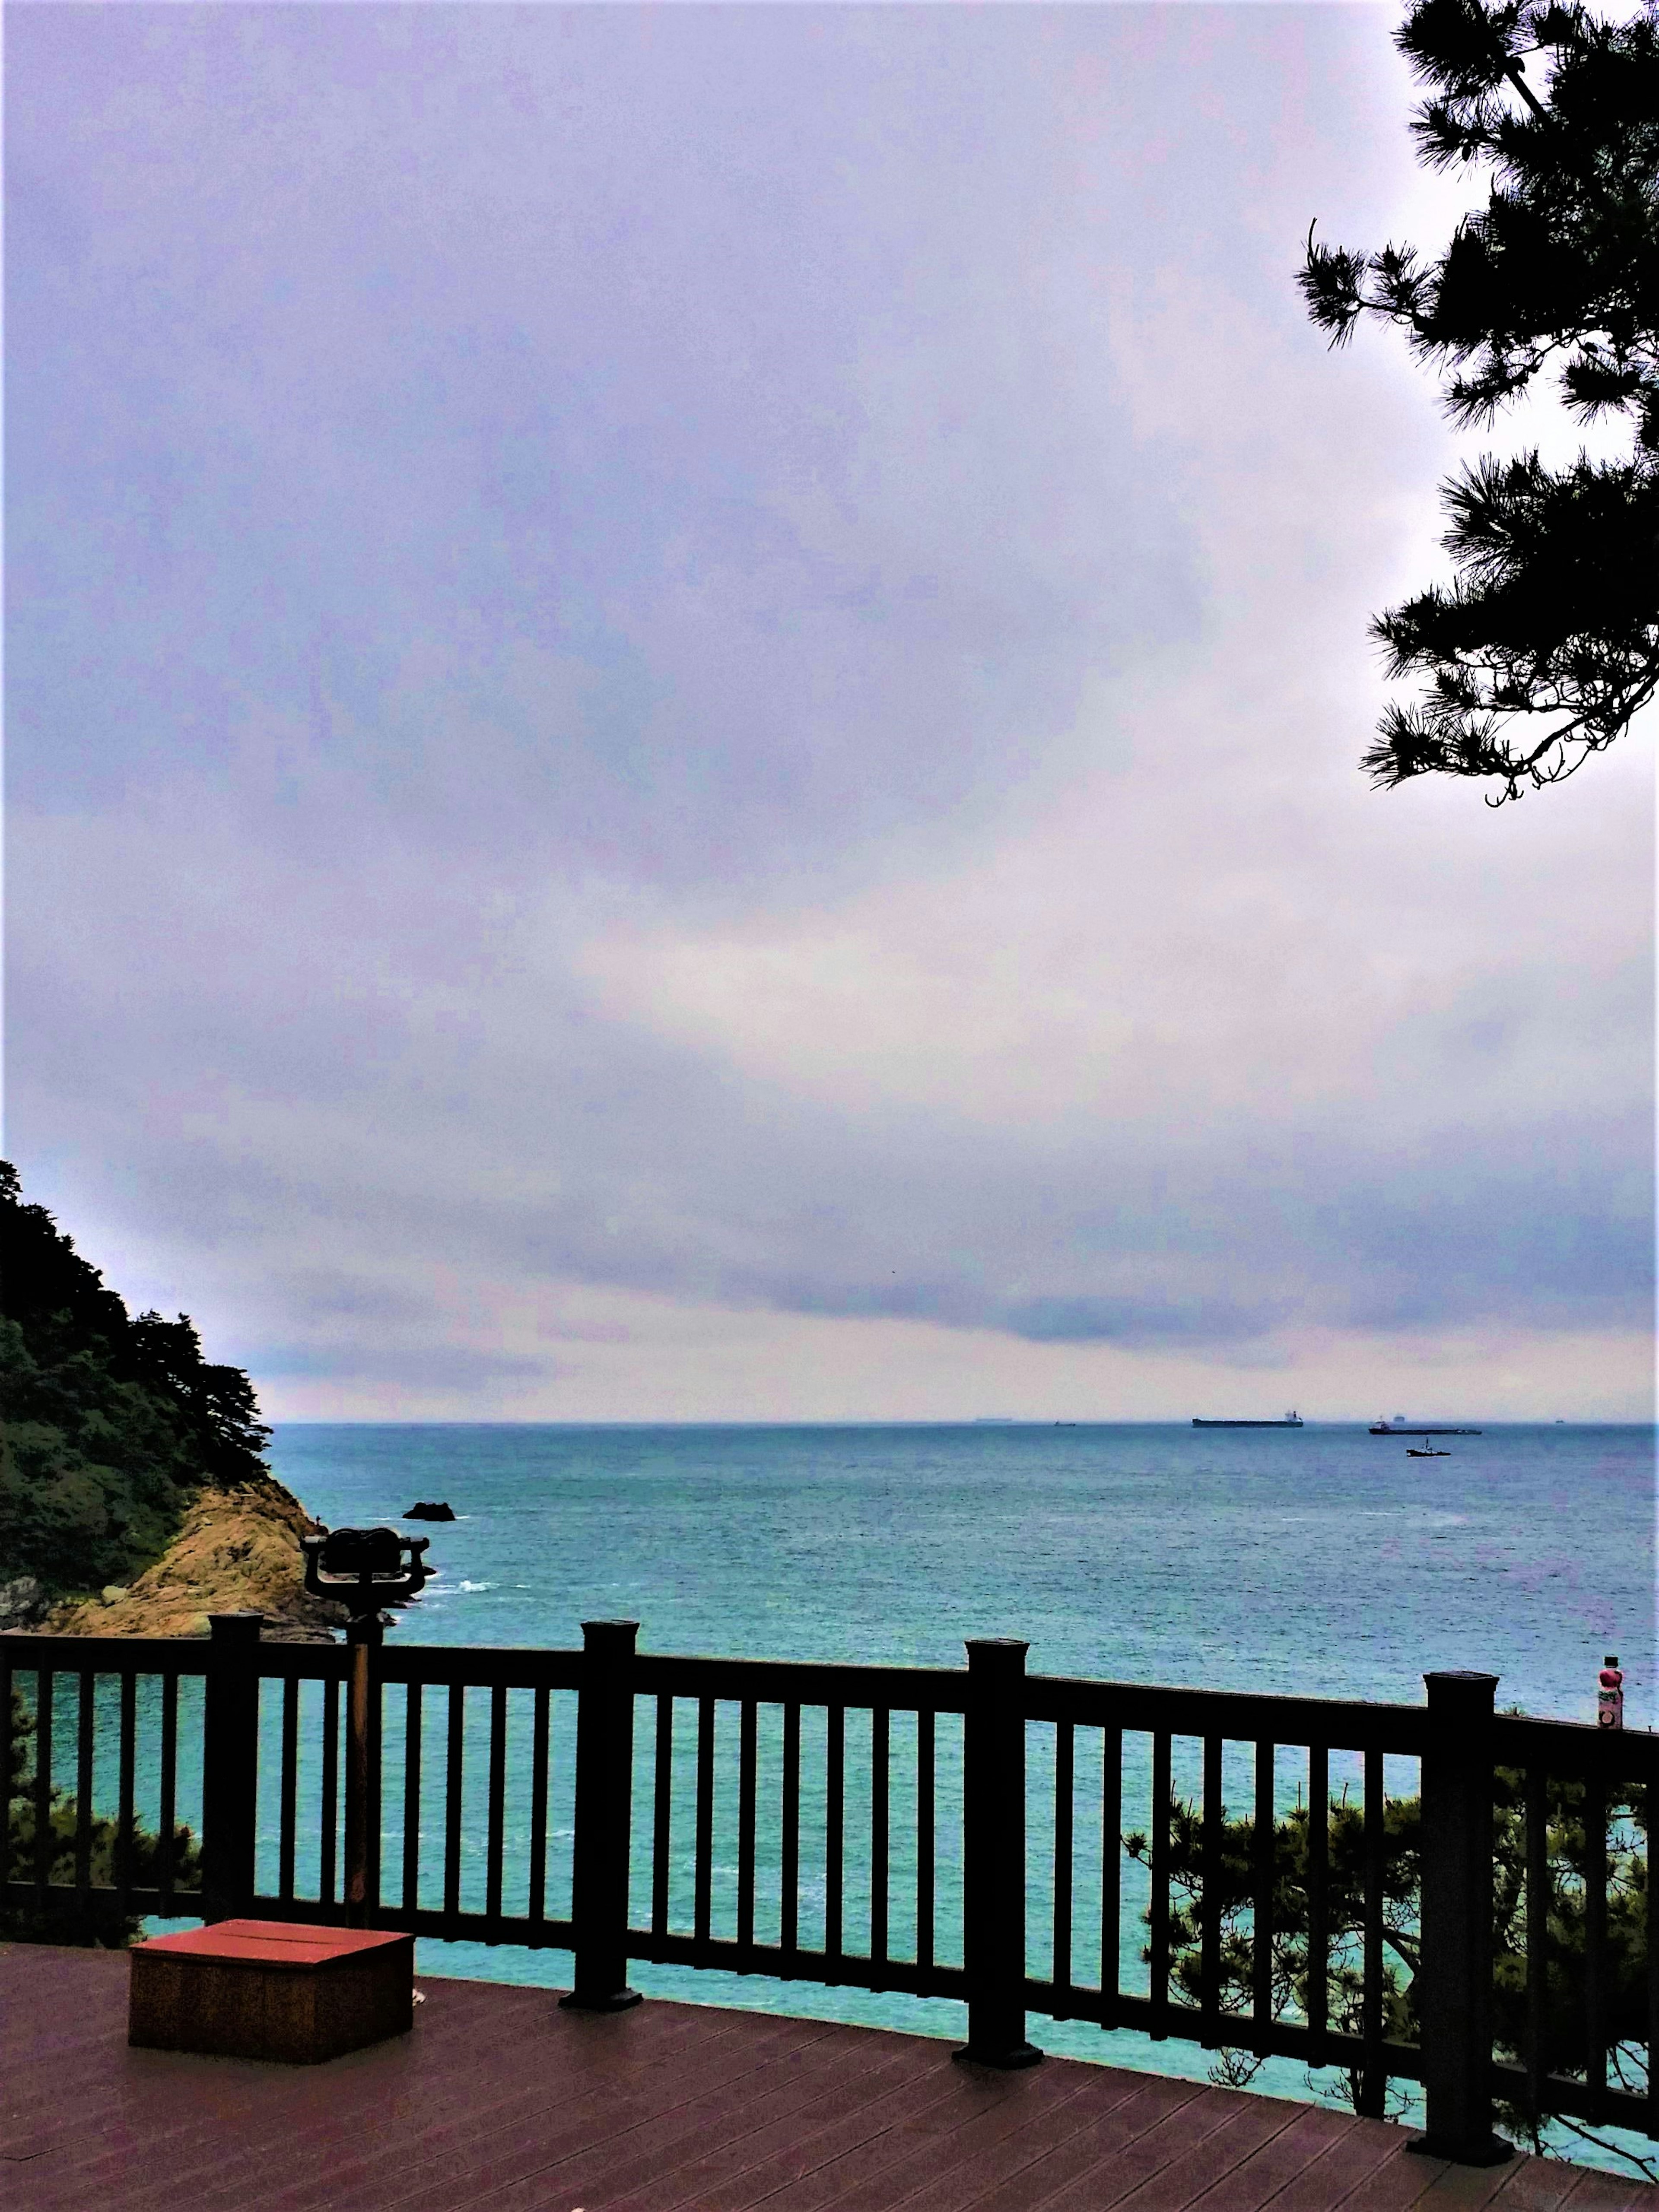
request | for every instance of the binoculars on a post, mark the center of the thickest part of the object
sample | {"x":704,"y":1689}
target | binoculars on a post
{"x":365,"y":1568}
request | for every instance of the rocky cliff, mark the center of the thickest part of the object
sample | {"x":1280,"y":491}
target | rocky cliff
{"x":236,"y":1548}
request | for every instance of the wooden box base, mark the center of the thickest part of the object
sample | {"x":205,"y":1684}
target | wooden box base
{"x":268,"y":1989}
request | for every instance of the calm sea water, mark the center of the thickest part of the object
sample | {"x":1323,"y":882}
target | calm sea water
{"x":1321,"y":1561}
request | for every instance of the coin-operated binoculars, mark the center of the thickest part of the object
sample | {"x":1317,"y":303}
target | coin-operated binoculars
{"x":363,"y":1568}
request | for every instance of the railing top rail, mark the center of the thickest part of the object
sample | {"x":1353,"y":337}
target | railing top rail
{"x":803,"y":1682}
{"x":1571,"y":1750}
{"x":482,"y":1665}
{"x":1239,"y":1716}
{"x":28,"y":1650}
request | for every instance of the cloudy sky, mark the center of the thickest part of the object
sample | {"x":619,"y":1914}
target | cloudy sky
{"x":684,"y":686}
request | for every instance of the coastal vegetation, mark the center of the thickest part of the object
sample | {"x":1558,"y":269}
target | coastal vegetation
{"x":112,"y":1423}
{"x":1545,"y":645}
{"x":95,"y":1920}
{"x":1624,"y":1838}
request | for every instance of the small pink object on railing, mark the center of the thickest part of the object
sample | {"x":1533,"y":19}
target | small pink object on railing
{"x":1610,"y":1695}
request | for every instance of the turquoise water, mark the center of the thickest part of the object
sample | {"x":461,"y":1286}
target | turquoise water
{"x":1321,"y":1561}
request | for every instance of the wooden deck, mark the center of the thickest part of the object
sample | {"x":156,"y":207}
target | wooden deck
{"x":500,"y":2102}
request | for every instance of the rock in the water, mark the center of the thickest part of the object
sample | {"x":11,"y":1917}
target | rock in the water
{"x":424,"y":1510}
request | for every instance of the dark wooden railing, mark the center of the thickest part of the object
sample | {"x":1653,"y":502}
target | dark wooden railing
{"x":954,"y":1833}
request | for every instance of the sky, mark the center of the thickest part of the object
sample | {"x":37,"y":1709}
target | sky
{"x":683,"y":687}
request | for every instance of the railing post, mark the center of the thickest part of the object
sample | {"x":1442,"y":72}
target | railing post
{"x":1454,"y":1968}
{"x":604,"y":1792}
{"x":993,"y":1851}
{"x":230,"y":1765}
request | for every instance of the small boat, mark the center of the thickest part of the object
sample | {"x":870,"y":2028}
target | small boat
{"x":1428,"y":1451}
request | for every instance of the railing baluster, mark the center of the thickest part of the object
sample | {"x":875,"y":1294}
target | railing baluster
{"x":329,"y":1811}
{"x":1158,"y":1928}
{"x":289,"y":1787}
{"x":454,"y":1760}
{"x":703,"y":1872}
{"x":1538,"y":1937}
{"x":662,"y":1815}
{"x":1111,"y":1870}
{"x":166,"y":1868}
{"x":540,"y":1760}
{"x":1262,"y":1896}
{"x":789,"y":1842}
{"x":880,"y":1778}
{"x":1374,"y":2076}
{"x":1319,"y":1919}
{"x":43,"y":1835}
{"x":125,"y":1784}
{"x":1065,"y":1791}
{"x":746,"y":1758}
{"x":1595,"y":1944}
{"x":834,"y":1817}
{"x":1209,"y":1966}
{"x":413,"y":1701}
{"x":497,"y":1803}
{"x":925,"y":1826}
{"x":85,"y":1722}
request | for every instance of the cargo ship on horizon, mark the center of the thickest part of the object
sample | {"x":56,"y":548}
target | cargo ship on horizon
{"x":1290,"y":1421}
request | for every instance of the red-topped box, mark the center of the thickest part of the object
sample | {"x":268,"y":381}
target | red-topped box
{"x":271,"y":1988}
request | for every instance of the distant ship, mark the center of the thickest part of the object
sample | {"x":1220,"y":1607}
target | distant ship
{"x":1290,"y":1421}
{"x":1398,"y":1427}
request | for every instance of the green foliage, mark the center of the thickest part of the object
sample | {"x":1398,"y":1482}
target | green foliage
{"x":1546,"y":644}
{"x":98,"y":1923}
{"x":1345,"y":1909}
{"x":1566,"y":2051}
{"x":111,"y":1423}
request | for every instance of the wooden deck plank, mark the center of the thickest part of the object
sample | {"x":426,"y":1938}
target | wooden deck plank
{"x":1342,"y":2169}
{"x":1263,"y":2177}
{"x":1609,"y":2192}
{"x":1536,"y":2184}
{"x":980,"y":2155}
{"x":710,"y":2126}
{"x":1151,"y":2100}
{"x":554,"y":2115}
{"x":499,"y":2102}
{"x":968,"y":2126}
{"x":1206,"y":2165}
{"x":806,"y":2132}
{"x":185,"y":2124}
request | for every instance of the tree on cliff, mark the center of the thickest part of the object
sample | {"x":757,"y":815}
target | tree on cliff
{"x":1547,"y":643}
{"x":109,"y":1423}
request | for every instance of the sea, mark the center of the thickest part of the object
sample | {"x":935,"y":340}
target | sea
{"x":1321,"y":1560}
